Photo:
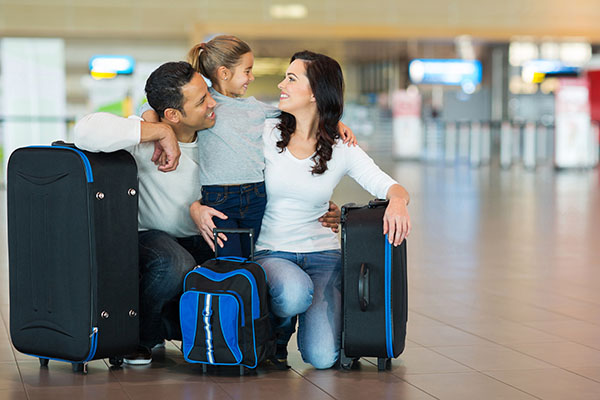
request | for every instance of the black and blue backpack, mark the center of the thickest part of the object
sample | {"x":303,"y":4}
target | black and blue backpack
{"x":224,"y":314}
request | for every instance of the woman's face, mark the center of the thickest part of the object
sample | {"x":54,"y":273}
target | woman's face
{"x":296,"y":94}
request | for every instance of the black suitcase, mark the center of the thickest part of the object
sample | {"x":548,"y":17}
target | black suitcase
{"x":73,"y":254}
{"x":375,"y":300}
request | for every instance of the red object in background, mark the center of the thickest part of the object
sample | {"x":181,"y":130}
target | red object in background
{"x":594,"y":85}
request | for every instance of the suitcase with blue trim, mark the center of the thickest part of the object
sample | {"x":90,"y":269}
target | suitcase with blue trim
{"x":73,"y":261}
{"x":224,"y":312}
{"x":375,"y":299}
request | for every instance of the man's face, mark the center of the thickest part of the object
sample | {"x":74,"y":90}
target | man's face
{"x":198,"y":104}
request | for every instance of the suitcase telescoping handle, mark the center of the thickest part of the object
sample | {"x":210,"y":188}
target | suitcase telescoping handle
{"x":363,"y":287}
{"x":248,"y":231}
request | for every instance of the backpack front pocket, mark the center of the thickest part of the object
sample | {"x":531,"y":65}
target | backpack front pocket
{"x":210,"y":325}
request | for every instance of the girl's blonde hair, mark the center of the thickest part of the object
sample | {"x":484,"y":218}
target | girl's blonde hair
{"x":223,"y":50}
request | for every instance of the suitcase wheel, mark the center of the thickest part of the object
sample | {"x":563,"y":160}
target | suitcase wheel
{"x":44,"y":362}
{"x":79,"y":367}
{"x":384,"y":363}
{"x":352,"y":364}
{"x":116,"y":361}
{"x":348,"y":363}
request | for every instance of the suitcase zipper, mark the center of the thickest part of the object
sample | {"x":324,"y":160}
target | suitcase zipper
{"x":388,"y":298}
{"x":94,"y":345}
{"x":86,"y":163}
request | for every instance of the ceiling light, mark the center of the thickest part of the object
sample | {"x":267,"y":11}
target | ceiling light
{"x":288,"y":11}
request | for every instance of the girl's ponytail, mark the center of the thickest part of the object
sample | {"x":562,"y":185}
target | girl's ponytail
{"x":193,"y":56}
{"x":223,"y":50}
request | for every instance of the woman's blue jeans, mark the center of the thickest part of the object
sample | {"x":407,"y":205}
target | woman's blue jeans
{"x":307,"y":285}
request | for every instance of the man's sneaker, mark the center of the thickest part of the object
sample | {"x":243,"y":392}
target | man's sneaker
{"x":160,"y":345}
{"x":281,"y":352}
{"x":142,"y":356}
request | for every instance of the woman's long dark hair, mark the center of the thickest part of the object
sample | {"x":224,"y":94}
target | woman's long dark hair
{"x":327,"y":84}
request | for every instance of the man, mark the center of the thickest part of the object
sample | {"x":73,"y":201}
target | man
{"x":169,"y":243}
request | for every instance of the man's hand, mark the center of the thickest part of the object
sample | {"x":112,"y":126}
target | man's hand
{"x":170,"y":148}
{"x":166,"y":148}
{"x":203,"y":218}
{"x":331,"y":219}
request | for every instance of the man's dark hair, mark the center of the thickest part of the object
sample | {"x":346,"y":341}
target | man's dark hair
{"x":163,"y":87}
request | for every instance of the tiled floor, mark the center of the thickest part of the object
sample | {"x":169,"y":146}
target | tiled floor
{"x":504,"y":304}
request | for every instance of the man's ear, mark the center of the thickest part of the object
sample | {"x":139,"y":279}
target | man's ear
{"x":223,"y":73}
{"x":173,"y":115}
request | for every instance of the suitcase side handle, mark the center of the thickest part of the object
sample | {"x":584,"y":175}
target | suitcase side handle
{"x":249,"y":231}
{"x":378,"y":203}
{"x":363,"y":287}
{"x":63,"y":144}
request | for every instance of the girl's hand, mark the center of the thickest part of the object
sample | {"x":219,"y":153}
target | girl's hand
{"x":347,"y":134}
{"x":396,"y":221}
{"x":203,"y":218}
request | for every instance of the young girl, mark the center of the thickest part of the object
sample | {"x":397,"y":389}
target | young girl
{"x":231,"y":153}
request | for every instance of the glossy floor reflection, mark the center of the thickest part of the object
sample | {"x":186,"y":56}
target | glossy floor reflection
{"x":504,"y":304}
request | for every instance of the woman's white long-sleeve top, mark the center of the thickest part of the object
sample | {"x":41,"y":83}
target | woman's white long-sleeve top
{"x":296,"y":198}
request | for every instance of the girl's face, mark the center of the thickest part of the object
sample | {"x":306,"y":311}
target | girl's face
{"x":240,"y":77}
{"x":296,"y":93}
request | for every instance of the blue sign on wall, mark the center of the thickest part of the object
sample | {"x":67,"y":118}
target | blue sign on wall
{"x":112,"y":64}
{"x":464,"y":73}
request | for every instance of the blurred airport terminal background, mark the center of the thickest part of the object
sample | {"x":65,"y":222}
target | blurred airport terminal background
{"x":438,"y":81}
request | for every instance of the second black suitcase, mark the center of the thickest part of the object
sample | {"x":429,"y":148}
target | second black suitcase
{"x":375,"y":306}
{"x":73,"y":254}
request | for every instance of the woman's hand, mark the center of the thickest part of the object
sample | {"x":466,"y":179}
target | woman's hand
{"x":396,"y":221}
{"x":331,"y":219}
{"x":203,"y":218}
{"x":346,"y":134}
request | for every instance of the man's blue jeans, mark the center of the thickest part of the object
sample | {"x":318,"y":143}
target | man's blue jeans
{"x":307,"y":285}
{"x":244,"y":206}
{"x":164,"y":262}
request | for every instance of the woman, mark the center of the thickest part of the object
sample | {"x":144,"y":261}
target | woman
{"x":305,"y":159}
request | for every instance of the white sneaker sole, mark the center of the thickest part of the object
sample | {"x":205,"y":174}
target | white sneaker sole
{"x":137,"y":362}
{"x":159,"y":345}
